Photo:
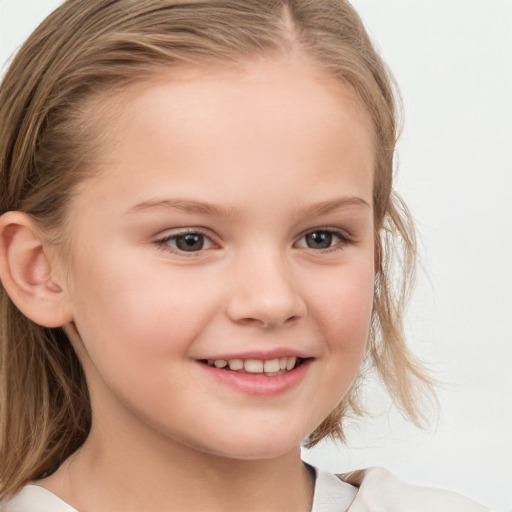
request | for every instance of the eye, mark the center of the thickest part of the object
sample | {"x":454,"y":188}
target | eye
{"x":190,"y":241}
{"x":323,"y":239}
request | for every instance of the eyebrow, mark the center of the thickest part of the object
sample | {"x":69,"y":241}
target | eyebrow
{"x":325,"y":207}
{"x":205,"y":208}
{"x":186,"y":206}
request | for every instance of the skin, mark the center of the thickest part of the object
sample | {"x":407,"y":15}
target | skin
{"x":269,"y":145}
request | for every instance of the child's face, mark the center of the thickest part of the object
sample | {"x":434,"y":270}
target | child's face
{"x":232,"y":221}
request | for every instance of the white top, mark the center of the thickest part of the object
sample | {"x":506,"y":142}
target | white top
{"x":331,"y":495}
{"x":379,"y":491}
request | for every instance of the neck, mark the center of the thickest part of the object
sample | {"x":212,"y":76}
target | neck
{"x":133,"y":476}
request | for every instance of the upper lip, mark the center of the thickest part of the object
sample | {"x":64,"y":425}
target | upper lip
{"x":263,"y":355}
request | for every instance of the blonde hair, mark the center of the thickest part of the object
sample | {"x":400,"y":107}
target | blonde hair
{"x":85,"y":50}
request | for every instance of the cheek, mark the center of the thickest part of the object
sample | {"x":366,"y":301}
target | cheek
{"x":136,"y":335}
{"x":135,"y":316}
{"x":343,"y":310}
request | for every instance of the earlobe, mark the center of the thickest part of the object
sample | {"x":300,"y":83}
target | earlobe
{"x":26,"y":272}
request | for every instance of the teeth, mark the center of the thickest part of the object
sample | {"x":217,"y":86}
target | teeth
{"x":236,"y":364}
{"x":253,"y":366}
{"x":270,"y":367}
{"x":291,"y":363}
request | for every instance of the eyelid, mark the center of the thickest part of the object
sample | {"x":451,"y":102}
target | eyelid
{"x":342,"y":234}
{"x":163,"y":241}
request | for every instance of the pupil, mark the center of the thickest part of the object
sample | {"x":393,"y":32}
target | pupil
{"x":319,"y":240}
{"x":190,"y":242}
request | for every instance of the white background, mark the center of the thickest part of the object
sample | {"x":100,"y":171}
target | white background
{"x":453,"y":61}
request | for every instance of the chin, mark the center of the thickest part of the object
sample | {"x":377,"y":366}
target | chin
{"x":260,"y":448}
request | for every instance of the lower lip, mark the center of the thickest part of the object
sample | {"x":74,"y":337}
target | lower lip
{"x":257,"y":384}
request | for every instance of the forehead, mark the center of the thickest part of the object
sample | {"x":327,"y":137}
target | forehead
{"x":274,"y":121}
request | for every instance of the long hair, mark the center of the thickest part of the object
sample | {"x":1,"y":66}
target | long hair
{"x":49,"y":139}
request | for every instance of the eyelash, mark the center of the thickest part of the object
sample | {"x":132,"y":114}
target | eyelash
{"x":164,"y":243}
{"x":344,"y":239}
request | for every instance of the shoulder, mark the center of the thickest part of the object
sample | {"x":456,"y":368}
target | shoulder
{"x":381,"y":491}
{"x":33,"y":498}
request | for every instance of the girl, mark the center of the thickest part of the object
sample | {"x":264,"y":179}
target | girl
{"x":196,"y":250}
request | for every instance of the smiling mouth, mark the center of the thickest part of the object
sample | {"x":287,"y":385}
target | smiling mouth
{"x":270,"y":368}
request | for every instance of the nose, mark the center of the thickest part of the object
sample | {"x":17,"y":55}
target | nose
{"x":264,"y":292}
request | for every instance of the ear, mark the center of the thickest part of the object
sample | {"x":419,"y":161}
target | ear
{"x":27,"y":274}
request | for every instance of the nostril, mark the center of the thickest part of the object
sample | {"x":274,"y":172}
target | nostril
{"x":292,"y":320}
{"x":253,"y":321}
{"x":268,"y":310}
